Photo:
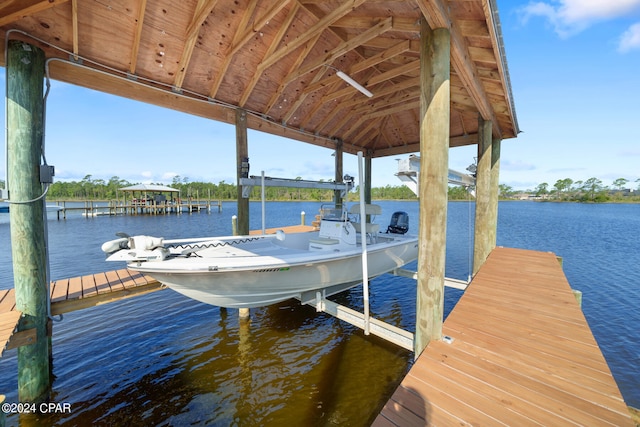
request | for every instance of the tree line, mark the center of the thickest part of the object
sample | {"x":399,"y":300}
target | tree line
{"x":99,"y":189}
{"x":590,"y":190}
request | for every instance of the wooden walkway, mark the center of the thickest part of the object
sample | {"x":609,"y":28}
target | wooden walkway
{"x":522,"y":354}
{"x":74,"y":294}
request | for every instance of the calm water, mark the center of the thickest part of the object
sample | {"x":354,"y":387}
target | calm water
{"x":162,"y":359}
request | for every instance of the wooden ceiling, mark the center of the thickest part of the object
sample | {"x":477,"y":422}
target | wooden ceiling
{"x":278,"y":61}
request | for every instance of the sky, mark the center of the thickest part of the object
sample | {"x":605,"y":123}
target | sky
{"x":575,"y":74}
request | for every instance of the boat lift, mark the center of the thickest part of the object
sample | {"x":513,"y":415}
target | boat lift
{"x":409,"y":174}
{"x":408,"y":171}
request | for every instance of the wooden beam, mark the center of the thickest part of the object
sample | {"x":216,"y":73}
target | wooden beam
{"x":217,"y":81}
{"x":81,"y":75}
{"x":243,"y":38}
{"x":74,"y":25}
{"x":494,"y":191}
{"x":272,"y":46}
{"x":434,"y":158}
{"x":383,"y":26}
{"x":394,"y":72}
{"x":203,"y":10}
{"x":437,"y":16}
{"x":242,"y":157}
{"x":22,"y":338}
{"x":14,"y":10}
{"x":364,"y":22}
{"x":311,"y":32}
{"x":298,"y":102}
{"x":133,"y":61}
{"x":471,"y":28}
{"x":383,"y":56}
{"x":482,"y":245}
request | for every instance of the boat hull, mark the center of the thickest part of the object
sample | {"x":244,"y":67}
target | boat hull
{"x":276,"y":277}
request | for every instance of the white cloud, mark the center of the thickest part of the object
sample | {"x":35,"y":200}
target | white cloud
{"x":569,"y":17}
{"x":630,"y":39}
{"x":515,"y":166}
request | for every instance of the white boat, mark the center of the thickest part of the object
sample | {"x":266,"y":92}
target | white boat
{"x":253,"y":271}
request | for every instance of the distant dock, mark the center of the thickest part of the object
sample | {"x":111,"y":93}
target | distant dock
{"x":98,"y":208}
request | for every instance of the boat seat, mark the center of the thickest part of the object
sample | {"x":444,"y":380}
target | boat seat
{"x":370,"y":229}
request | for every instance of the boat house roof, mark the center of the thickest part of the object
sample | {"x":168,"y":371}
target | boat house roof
{"x":150,"y":187}
{"x":279,"y":61}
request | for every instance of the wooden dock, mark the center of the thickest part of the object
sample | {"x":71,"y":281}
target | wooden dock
{"x":111,"y":208}
{"x":73,"y":294}
{"x":520,"y":353}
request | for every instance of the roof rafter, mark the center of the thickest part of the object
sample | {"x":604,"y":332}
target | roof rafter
{"x":278,"y":37}
{"x":311,"y":32}
{"x":383,"y":26}
{"x":301,"y":57}
{"x":217,"y":81}
{"x":14,"y":10}
{"x":203,"y":10}
{"x":133,"y":62}
{"x":74,"y":27}
{"x":385,"y":55}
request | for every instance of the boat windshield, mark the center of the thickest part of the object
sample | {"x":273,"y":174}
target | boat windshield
{"x":332,"y":213}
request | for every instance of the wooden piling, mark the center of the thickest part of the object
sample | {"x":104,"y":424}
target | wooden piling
{"x":434,"y":157}
{"x":242,"y":156}
{"x":494,"y":191}
{"x":482,"y":230}
{"x":25,"y":130}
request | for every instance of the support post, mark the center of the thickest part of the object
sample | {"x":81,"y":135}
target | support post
{"x":483,"y":226}
{"x":242,"y":160}
{"x":367,"y":179}
{"x":25,"y":130}
{"x":494,"y":193}
{"x":337,"y":196}
{"x":434,"y":159}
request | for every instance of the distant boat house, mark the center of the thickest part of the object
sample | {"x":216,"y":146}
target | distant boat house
{"x":143,"y":195}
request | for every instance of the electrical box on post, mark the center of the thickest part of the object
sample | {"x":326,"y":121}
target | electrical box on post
{"x":47,"y":173}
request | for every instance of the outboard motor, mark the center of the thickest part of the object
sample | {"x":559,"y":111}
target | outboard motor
{"x":399,"y":223}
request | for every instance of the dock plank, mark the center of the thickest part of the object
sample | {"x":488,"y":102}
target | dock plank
{"x":7,"y":300}
{"x":75,"y":288}
{"x":59,"y":290}
{"x":114,"y":281}
{"x":126,"y":278}
{"x":522,"y":354}
{"x":8,"y":323}
{"x":102,"y":283}
{"x":88,"y":285}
